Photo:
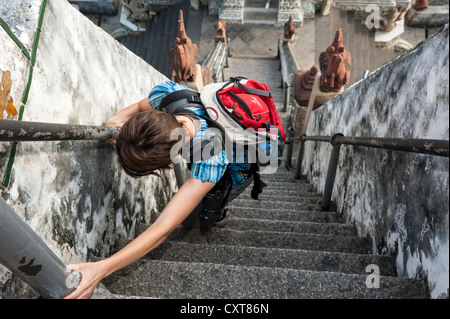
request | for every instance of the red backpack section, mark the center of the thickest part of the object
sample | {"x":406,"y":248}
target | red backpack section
{"x":252,"y":105}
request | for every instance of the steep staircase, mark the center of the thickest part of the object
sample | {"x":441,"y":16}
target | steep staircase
{"x":281,"y":246}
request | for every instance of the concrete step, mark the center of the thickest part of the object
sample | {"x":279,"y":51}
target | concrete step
{"x":286,"y":215}
{"x":269,"y":192}
{"x":256,"y":10}
{"x":279,"y":215}
{"x":288,"y":226}
{"x":303,"y":203}
{"x":282,"y":172}
{"x":260,"y":3}
{"x":308,"y":197}
{"x":270,"y":257}
{"x":274,"y":178}
{"x":280,"y":184}
{"x":169,"y":279}
{"x":284,"y":176}
{"x":283,"y":226}
{"x":270,"y":205}
{"x":272,"y":239}
{"x":261,"y":9}
{"x":260,"y":15}
{"x":285,"y":189}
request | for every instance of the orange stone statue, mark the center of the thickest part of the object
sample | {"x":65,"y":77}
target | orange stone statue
{"x":220,"y":28}
{"x":289,"y":29}
{"x":183,"y":55}
{"x":421,"y":5}
{"x":335,"y":65}
{"x":303,"y":84}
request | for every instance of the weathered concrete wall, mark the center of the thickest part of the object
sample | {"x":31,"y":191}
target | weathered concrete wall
{"x":399,"y":199}
{"x":73,"y":194}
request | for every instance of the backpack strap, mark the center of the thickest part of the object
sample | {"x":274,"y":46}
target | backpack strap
{"x":175,"y":100}
{"x":254,"y":91}
{"x":242,"y":104}
{"x":236,"y":81}
{"x":226,"y":141}
{"x":176,"y":103}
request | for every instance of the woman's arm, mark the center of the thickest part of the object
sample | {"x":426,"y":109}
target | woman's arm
{"x":179,"y":207}
{"x":124,"y":115}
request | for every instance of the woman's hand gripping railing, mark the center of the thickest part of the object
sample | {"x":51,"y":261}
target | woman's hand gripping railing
{"x":31,"y":260}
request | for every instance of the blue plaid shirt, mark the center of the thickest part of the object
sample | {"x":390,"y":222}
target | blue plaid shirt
{"x":212,"y":169}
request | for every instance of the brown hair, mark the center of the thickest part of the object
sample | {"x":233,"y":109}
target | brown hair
{"x":143,"y":144}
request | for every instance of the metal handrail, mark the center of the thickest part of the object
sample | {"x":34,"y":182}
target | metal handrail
{"x":293,"y":55}
{"x":421,"y":146}
{"x":217,"y":60}
{"x":289,"y":65}
{"x":286,"y":54}
{"x":20,"y":131}
{"x":30,"y":259}
{"x":285,"y":79}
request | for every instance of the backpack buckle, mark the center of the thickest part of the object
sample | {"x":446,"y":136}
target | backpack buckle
{"x":195,"y":99}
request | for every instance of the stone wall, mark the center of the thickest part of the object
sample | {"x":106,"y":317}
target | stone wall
{"x":73,"y":194}
{"x":399,"y":199}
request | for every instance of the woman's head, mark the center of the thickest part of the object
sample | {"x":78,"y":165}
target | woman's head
{"x":144,"y":144}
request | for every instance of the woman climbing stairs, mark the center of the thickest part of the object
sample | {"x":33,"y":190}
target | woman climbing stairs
{"x":279,"y":246}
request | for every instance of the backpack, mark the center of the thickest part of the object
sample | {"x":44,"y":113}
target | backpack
{"x":243,"y":111}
